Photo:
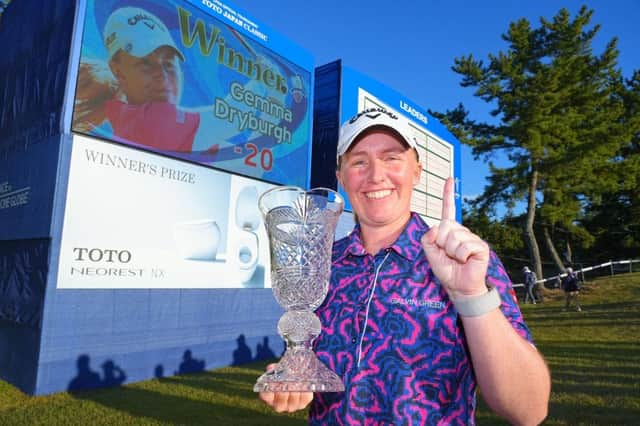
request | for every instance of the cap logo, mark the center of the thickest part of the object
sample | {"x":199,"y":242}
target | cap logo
{"x":110,"y":39}
{"x":372,"y":113}
{"x":147,"y":20}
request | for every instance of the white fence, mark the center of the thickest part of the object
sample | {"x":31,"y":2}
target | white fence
{"x":612,"y":265}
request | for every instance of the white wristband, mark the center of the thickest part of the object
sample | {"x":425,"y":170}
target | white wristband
{"x":478,"y":305}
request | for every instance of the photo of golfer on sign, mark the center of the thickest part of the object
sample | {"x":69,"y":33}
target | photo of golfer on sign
{"x":169,"y":78}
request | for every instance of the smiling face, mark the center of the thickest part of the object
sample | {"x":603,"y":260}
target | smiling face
{"x":153,"y":78}
{"x":378,"y":174}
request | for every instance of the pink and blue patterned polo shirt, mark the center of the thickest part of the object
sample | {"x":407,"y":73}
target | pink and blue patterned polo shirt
{"x":394,"y":337}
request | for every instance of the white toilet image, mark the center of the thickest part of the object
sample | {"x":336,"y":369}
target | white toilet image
{"x":247,"y":220}
{"x":197,"y":240}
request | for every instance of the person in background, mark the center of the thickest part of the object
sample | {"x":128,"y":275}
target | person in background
{"x":530,"y":282}
{"x":417,"y":318}
{"x":571,"y":287}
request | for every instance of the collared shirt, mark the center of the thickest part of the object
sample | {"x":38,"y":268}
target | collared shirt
{"x":391,"y":333}
{"x":159,"y":125}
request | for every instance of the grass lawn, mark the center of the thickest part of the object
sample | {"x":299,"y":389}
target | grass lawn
{"x":594,"y":356}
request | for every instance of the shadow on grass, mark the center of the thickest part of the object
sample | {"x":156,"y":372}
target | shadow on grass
{"x":598,"y":375}
{"x":623,"y":352}
{"x":590,"y":373}
{"x":211,"y":397}
{"x":581,"y":413}
{"x":229,"y":383}
{"x":153,"y":405}
{"x":585,"y":386}
{"x":627,"y":311}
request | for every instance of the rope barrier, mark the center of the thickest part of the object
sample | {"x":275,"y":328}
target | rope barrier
{"x":609,"y":264}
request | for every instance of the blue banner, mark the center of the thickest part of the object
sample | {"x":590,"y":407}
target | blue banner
{"x":27,"y":186}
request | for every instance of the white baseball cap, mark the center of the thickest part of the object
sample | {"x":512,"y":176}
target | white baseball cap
{"x":136,"y":32}
{"x":373,"y":117}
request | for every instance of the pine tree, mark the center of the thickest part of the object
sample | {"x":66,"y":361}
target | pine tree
{"x":558,"y":119}
{"x":614,"y":216}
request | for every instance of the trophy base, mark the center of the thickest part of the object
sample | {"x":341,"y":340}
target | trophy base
{"x":299,"y":370}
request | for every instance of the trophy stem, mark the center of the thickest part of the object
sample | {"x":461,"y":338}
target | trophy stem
{"x":299,"y":369}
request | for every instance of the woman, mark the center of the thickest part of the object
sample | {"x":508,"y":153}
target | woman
{"x":416,"y":317}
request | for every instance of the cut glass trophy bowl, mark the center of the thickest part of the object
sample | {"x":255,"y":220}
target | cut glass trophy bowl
{"x":301,"y":226}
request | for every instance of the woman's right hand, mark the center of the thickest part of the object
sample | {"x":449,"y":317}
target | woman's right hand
{"x":286,"y":402}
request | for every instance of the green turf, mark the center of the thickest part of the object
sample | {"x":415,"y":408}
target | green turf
{"x":594,"y":356}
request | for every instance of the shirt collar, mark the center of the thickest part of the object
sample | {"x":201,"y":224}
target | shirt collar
{"x":354,"y":245}
{"x":407,"y":245}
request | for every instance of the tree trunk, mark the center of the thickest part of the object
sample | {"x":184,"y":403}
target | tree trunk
{"x":534,"y":250}
{"x":552,"y":249}
{"x":568,"y":253}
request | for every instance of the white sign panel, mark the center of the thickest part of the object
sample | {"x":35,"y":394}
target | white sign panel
{"x":140,"y":220}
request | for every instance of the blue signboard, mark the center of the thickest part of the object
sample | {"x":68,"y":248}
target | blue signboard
{"x":198,"y":81}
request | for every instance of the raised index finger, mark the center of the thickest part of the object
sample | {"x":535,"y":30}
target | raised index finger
{"x":448,"y":201}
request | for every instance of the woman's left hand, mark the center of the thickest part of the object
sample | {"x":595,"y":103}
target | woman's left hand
{"x":458,"y":257}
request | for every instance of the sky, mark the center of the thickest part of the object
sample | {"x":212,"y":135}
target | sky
{"x":411,"y":45}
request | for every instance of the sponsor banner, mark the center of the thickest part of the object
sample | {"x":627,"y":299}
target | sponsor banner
{"x":27,"y":185}
{"x":139,"y":220}
{"x":196,"y":80}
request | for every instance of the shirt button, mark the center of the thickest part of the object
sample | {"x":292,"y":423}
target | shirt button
{"x":353,"y":340}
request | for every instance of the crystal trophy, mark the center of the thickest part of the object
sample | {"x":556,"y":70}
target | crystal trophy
{"x":300,"y":225}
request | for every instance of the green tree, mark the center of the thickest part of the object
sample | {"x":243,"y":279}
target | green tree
{"x":614,"y":216}
{"x":558,"y":118}
{"x":505,"y":236}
